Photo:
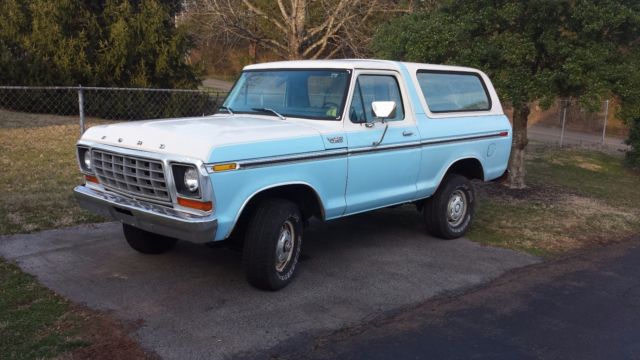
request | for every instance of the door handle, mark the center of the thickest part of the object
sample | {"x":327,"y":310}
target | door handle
{"x":407,"y":133}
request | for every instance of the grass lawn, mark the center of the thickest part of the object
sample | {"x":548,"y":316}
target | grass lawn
{"x":576,"y":198}
{"x":38,"y":174}
{"x":34,"y":322}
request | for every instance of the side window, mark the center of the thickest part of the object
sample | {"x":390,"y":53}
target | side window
{"x":453,"y":91}
{"x":370,"y":88}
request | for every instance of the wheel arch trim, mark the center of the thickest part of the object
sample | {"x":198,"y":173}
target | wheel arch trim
{"x":271,"y":187}
{"x":455,"y":161}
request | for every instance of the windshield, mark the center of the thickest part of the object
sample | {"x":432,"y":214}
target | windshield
{"x":314,"y":94}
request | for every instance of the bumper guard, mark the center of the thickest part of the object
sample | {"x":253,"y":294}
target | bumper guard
{"x":153,"y":218}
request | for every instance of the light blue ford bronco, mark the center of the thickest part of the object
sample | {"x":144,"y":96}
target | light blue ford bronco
{"x":295,"y":140}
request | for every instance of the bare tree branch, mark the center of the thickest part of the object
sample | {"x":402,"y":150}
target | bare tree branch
{"x":296,"y":29}
{"x":262,"y":14}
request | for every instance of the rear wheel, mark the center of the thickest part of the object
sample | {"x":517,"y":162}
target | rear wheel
{"x":147,"y":242}
{"x":448,"y":214}
{"x":273,"y":242}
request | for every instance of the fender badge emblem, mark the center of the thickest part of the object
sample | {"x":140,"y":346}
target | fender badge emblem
{"x":139,"y":142}
{"x":119,"y":139}
{"x":335,"y":140}
{"x":162,"y":146}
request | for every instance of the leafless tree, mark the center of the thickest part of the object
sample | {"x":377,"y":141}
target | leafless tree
{"x":297,"y":29}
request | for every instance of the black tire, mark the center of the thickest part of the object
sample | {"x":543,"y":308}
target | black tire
{"x":267,"y":233}
{"x":436,"y":208}
{"x":146,"y":242}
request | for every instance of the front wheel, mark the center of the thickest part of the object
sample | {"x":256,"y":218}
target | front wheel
{"x":147,"y":242}
{"x":449,"y":212}
{"x":272,"y":244}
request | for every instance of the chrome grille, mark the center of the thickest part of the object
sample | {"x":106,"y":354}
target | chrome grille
{"x":132,"y":175}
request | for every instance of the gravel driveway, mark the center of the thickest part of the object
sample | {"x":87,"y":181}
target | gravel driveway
{"x":194,"y":302}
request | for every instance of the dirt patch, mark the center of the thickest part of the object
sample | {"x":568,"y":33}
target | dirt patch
{"x":533,"y":192}
{"x":107,"y":338}
{"x":592,"y":206}
{"x":589,"y":166}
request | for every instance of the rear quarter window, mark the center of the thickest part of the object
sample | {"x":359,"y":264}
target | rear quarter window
{"x":453,"y":91}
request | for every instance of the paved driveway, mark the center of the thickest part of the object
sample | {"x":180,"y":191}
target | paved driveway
{"x":195,"y":303}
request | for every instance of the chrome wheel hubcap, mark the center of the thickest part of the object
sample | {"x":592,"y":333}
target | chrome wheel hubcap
{"x":284,"y":247}
{"x":456,"y":208}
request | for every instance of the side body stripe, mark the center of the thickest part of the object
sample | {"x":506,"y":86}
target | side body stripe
{"x":278,"y":160}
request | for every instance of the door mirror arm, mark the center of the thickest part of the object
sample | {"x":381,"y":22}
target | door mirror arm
{"x":386,"y":127}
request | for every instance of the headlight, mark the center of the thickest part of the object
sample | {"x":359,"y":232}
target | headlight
{"x":191,"y":180}
{"x":87,"y":159}
{"x":187,"y":180}
{"x":84,"y":159}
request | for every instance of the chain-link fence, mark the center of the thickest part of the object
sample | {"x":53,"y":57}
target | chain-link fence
{"x":22,"y":106}
{"x":39,"y":127}
{"x":568,"y":123}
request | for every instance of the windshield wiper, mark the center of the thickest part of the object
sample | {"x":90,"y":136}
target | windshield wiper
{"x":271,"y":111}
{"x":226,"y":108}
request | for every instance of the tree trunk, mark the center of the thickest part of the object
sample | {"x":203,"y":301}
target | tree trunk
{"x":253,"y":51}
{"x":518,"y":145}
{"x":297,"y":20}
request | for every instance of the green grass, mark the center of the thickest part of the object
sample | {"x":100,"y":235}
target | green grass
{"x":576,"y":198}
{"x":588,"y":173}
{"x":34,"y":322}
{"x":38,"y":173}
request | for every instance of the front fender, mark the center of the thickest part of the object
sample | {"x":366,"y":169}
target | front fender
{"x":234,"y":189}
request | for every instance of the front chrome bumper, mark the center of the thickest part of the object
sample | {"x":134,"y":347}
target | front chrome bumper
{"x":153,"y":218}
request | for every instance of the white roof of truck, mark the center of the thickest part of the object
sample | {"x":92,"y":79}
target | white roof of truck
{"x":353,"y":64}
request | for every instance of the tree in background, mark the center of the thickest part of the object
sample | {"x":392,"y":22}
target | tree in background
{"x":534,"y":51}
{"x":142,"y":47}
{"x":296,"y":29}
{"x":633,"y":155}
{"x":629,"y":93}
{"x":102,"y":43}
{"x":44,"y":40}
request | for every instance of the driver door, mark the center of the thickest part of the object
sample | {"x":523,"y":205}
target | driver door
{"x":382,"y":170}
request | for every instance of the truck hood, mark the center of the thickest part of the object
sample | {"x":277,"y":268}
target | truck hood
{"x":198,"y":137}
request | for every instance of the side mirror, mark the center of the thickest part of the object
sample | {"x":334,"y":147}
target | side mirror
{"x":383,"y":109}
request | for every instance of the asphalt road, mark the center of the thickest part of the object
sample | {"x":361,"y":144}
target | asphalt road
{"x":218,"y":84}
{"x":551,"y":135}
{"x":583,"y":307}
{"x":194,"y":303}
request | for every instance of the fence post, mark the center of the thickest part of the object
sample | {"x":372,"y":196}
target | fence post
{"x":564,"y":117}
{"x":606,"y":115}
{"x":81,"y":108}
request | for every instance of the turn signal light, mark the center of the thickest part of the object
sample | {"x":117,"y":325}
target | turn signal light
{"x":195,"y":204}
{"x":504,"y":133}
{"x":92,"y":179}
{"x":225,"y":167}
